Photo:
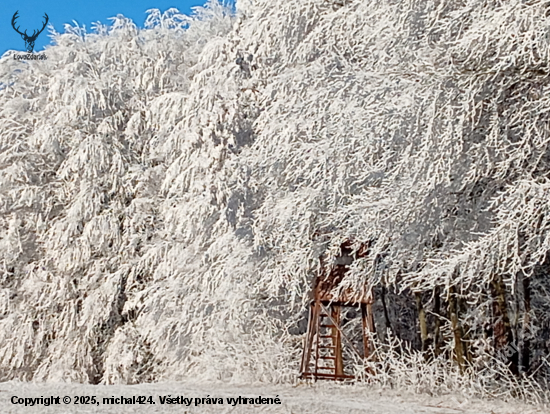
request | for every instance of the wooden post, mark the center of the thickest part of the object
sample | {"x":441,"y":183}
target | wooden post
{"x":367,"y":318}
{"x":317,"y":316}
{"x":337,"y":341}
{"x":306,"y":356}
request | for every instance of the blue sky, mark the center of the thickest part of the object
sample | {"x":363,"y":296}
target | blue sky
{"x":31,"y":14}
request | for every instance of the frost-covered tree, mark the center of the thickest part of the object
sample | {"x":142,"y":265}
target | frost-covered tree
{"x":167,"y":192}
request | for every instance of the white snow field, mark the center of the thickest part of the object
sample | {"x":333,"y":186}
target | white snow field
{"x":169,"y":194}
{"x":303,"y":399}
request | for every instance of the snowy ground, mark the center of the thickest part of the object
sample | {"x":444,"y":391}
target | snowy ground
{"x":319,"y":399}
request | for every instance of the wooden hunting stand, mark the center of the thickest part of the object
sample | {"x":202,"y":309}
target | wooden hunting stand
{"x":322,"y":356}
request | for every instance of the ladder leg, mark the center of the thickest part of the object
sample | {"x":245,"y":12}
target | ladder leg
{"x":337,"y":341}
{"x":306,"y":356}
{"x":367,"y":318}
{"x":317,"y":316}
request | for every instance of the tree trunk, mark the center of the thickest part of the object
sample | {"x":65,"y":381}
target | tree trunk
{"x":465,"y":330}
{"x":422,"y":321}
{"x":457,"y":330}
{"x":384,"y":305}
{"x":504,"y":338}
{"x":437,"y":331}
{"x":525,"y":351}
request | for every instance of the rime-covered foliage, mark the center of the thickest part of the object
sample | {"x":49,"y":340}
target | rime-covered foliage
{"x":166,"y":192}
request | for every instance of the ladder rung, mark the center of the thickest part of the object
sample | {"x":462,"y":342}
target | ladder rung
{"x":326,"y":357}
{"x":321,"y":375}
{"x":328,"y":326}
{"x":331,"y":368}
{"x":326,"y":336}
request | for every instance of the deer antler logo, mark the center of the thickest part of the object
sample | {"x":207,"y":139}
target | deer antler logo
{"x":29,"y":40}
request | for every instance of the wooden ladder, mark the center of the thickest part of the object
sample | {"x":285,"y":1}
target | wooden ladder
{"x":324,"y":340}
